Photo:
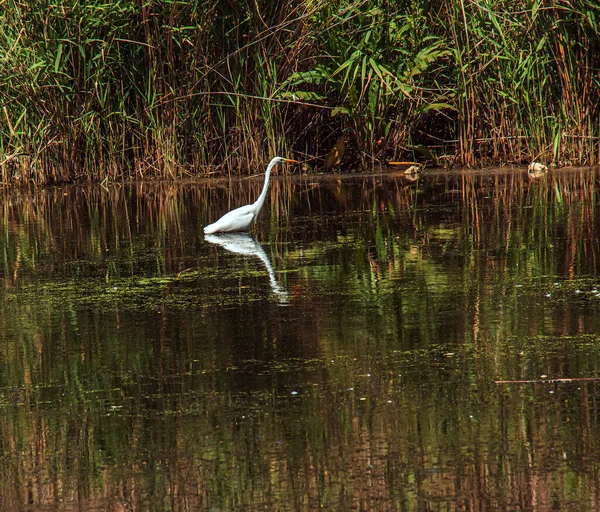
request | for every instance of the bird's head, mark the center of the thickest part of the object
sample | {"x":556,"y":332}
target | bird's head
{"x":281,"y":160}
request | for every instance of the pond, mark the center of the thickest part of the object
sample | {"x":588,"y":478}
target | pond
{"x":373,"y":344}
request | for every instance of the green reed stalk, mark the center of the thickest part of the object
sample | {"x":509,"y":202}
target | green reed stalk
{"x":536,"y":68}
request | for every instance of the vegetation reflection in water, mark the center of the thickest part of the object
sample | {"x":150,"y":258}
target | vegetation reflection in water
{"x":144,"y":367}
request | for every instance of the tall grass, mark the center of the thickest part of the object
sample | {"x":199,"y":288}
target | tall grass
{"x":526,"y":76}
{"x":108,"y":90}
{"x":115,"y":89}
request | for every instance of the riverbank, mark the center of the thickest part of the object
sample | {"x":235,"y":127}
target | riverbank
{"x":95,"y":91}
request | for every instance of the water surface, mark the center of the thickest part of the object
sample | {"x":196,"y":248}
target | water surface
{"x":357,"y":351}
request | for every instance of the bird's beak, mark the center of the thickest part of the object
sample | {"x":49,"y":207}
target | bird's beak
{"x":290,"y":161}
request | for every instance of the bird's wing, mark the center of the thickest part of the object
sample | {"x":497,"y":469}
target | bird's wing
{"x":236,"y":220}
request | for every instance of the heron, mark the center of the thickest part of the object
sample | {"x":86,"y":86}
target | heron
{"x":243,"y":217}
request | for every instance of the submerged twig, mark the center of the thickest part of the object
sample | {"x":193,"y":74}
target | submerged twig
{"x":191,"y":269}
{"x":546,"y":381}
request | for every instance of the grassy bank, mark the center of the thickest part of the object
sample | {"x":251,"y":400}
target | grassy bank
{"x":97,"y":90}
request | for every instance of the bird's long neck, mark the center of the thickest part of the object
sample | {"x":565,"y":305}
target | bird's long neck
{"x":263,"y":195}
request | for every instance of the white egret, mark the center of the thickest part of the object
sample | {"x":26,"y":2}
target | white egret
{"x":242,"y":218}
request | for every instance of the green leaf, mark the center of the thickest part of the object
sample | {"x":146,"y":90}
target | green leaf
{"x":315,"y":76}
{"x":58,"y":56}
{"x":437,"y":107}
{"x":541,"y":43}
{"x":340,"y":111}
{"x":375,"y":68}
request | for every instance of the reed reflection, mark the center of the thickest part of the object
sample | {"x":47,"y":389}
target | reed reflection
{"x":125,"y":380}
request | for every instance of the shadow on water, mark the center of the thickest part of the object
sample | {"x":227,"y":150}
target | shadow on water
{"x":145,"y":367}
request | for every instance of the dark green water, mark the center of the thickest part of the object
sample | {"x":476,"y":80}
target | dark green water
{"x":346,"y":357}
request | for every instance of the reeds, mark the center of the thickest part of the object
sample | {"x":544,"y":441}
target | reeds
{"x":525,"y":77}
{"x":98,"y":90}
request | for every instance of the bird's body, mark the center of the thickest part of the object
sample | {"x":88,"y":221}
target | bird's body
{"x":243,"y":217}
{"x":239,"y":219}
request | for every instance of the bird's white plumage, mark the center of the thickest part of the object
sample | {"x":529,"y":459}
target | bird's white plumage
{"x":239,"y":219}
{"x":243,"y":217}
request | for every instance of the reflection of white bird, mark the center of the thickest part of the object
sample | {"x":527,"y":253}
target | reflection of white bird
{"x":243,"y":243}
{"x":242,"y":218}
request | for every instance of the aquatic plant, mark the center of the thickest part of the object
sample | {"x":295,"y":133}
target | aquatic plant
{"x":381,"y":62}
{"x":525,"y":77}
{"x":115,"y":90}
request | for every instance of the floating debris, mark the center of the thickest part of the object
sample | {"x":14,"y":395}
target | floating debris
{"x":537,"y":166}
{"x":536,"y":170}
{"x":413,"y":169}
